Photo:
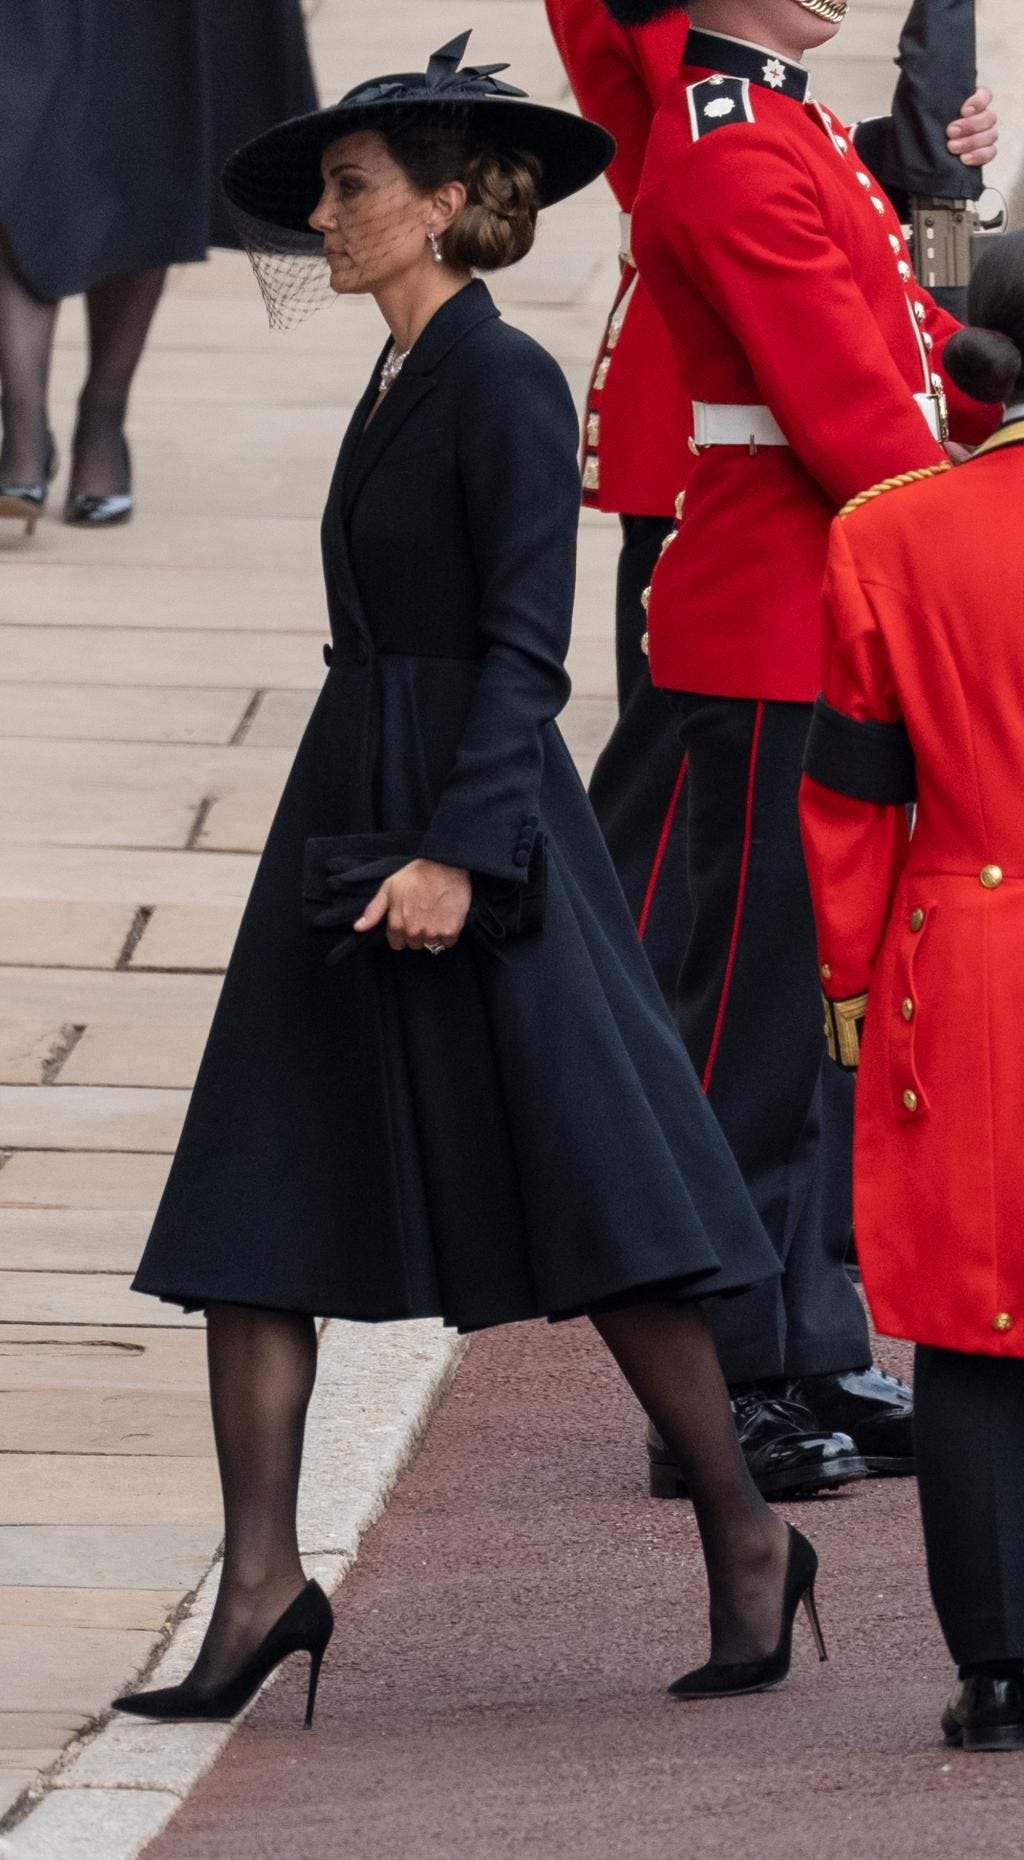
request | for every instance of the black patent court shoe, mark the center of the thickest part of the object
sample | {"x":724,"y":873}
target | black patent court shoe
{"x":986,"y":1712}
{"x":101,"y":512}
{"x":26,"y":502}
{"x":305,"y":1627}
{"x":720,"y":1679}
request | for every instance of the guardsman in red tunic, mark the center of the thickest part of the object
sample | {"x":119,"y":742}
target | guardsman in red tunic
{"x":920,"y":940}
{"x":635,"y":464}
{"x":814,"y":363}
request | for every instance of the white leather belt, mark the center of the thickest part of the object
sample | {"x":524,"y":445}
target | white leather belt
{"x":735,"y":426}
{"x":718,"y":425}
{"x":929,"y":406}
{"x":625,"y":239}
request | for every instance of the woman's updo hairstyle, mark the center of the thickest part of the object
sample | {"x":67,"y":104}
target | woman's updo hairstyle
{"x":986,"y":359}
{"x":497,"y":224}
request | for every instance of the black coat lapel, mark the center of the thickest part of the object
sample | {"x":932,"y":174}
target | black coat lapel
{"x":470,"y":306}
{"x":373,"y":440}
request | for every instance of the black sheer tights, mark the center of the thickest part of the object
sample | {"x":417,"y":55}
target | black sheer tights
{"x":667,"y":1356}
{"x":26,"y":343}
{"x":262,"y":1369}
{"x":120,"y":310}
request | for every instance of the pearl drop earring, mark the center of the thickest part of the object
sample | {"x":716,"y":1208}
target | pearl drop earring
{"x":436,"y":249}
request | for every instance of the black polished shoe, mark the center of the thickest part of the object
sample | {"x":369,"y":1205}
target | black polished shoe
{"x":986,"y":1712}
{"x":788,"y":1456}
{"x":875,"y":1409}
{"x":734,"y":1679}
{"x":102,"y":512}
{"x":305,"y":1627}
{"x":27,"y":501}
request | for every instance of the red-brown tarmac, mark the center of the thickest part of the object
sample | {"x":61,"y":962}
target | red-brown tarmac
{"x":495,"y":1687}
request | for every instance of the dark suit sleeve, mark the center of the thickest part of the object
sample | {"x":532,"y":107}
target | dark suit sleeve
{"x":520,"y":480}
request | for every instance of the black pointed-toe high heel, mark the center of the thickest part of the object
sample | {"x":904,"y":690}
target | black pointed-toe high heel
{"x":722,"y":1680}
{"x":305,"y":1627}
{"x":27,"y":501}
{"x":101,"y":512}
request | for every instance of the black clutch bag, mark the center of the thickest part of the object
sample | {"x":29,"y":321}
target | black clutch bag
{"x":343,"y":872}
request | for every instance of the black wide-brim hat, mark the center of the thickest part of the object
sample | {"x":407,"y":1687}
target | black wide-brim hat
{"x":276,"y":178}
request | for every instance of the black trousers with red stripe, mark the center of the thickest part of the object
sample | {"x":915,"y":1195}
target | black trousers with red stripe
{"x":748,"y":1005}
{"x":637,"y":789}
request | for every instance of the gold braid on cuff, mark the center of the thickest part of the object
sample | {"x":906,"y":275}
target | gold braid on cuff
{"x":844,"y":1021}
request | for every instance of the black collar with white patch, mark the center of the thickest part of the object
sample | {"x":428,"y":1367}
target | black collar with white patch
{"x":737,"y":58}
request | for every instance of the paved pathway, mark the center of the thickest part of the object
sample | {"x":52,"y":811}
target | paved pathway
{"x":153,"y":684}
{"x":495,"y":1687}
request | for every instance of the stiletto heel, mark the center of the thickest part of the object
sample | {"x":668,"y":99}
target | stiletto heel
{"x":811,"y":1611}
{"x":730,"y":1679}
{"x":29,"y":500}
{"x":305,"y":1627}
{"x":316,"y":1660}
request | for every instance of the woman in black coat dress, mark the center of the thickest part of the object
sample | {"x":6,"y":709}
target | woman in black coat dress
{"x":116,"y":117}
{"x":477,"y":1106}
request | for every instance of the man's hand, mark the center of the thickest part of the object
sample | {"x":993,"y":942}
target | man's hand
{"x":975,"y":134}
{"x":424,"y":903}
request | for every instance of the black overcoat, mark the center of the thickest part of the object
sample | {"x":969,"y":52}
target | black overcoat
{"x":493,"y":1133}
{"x":115,"y":120}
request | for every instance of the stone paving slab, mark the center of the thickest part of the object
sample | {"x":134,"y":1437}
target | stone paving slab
{"x":190,"y":936}
{"x":280,"y":720}
{"x":105,"y":1356}
{"x":86,"y":1608}
{"x":84,"y":1488}
{"x":122,"y":713}
{"x":152,"y":656}
{"x":86,"y":1298}
{"x":101,"y":1420}
{"x":154,"y":597}
{"x":86,"y":1179}
{"x":25,"y":1048}
{"x":126,"y":1556}
{"x":73,"y":936}
{"x":90,"y":1117}
{"x":67,"y":1668}
{"x":114,"y":1053}
{"x":69,"y":1240}
{"x":129,"y":874}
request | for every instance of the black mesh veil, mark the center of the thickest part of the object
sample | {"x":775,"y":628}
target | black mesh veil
{"x":273,"y":184}
{"x":270,"y":199}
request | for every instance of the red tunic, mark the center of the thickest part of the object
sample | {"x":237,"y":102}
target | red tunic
{"x":923,"y":626}
{"x":781,"y":270}
{"x":636,"y":458}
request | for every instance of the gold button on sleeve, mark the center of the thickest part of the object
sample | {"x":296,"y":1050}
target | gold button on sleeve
{"x":991,"y":877}
{"x":917,"y":920}
{"x":826,"y":972}
{"x":907,"y":1010}
{"x":910,"y":1100}
{"x":645,"y":645}
{"x":1002,"y":1322}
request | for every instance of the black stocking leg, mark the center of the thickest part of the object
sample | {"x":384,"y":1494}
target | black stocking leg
{"x":262,"y":1369}
{"x":120,"y":312}
{"x":26,"y":341}
{"x":667,"y":1356}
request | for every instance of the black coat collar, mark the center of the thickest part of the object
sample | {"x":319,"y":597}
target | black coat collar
{"x":715,"y":51}
{"x":366,"y":444}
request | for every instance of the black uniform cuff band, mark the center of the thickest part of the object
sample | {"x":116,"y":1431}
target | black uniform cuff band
{"x":844,"y":1022}
{"x":866,"y":761}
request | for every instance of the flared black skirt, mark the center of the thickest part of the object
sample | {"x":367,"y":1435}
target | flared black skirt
{"x":115,"y":120}
{"x":490,"y":1135}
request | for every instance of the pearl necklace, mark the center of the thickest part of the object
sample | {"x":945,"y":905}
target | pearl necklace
{"x":392,"y":367}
